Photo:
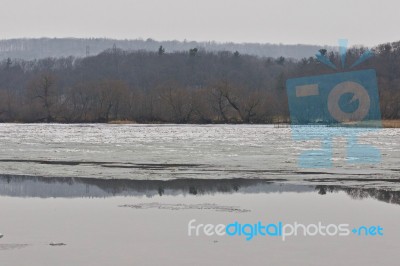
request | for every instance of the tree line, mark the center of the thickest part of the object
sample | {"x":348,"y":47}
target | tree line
{"x":172,"y":87}
{"x":29,"y":48}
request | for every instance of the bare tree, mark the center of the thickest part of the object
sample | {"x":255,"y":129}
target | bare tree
{"x":43,"y":89}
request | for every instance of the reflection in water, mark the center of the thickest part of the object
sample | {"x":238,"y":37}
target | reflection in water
{"x":363,"y":193}
{"x":70,"y":187}
{"x":44,"y":187}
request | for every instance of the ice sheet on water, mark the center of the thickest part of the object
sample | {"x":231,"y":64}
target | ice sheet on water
{"x":181,"y":206}
{"x":220,"y":151}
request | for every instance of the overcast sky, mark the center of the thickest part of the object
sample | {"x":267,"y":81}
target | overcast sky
{"x":274,"y":21}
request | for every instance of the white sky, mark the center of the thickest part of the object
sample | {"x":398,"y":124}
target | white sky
{"x":367,"y":22}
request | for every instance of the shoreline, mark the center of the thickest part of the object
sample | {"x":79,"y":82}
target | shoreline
{"x":386,"y":123}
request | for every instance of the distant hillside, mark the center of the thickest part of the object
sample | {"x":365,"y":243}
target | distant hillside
{"x":45,"y":47}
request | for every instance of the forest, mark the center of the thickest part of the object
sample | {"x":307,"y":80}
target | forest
{"x":160,"y":86}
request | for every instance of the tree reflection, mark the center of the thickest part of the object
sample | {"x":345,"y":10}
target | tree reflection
{"x":35,"y":186}
{"x":72,"y":187}
{"x":380,"y":194}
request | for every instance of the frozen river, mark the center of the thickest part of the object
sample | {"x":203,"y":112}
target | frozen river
{"x":164,"y":152}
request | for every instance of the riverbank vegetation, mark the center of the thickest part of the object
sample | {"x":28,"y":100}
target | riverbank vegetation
{"x":172,"y":87}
